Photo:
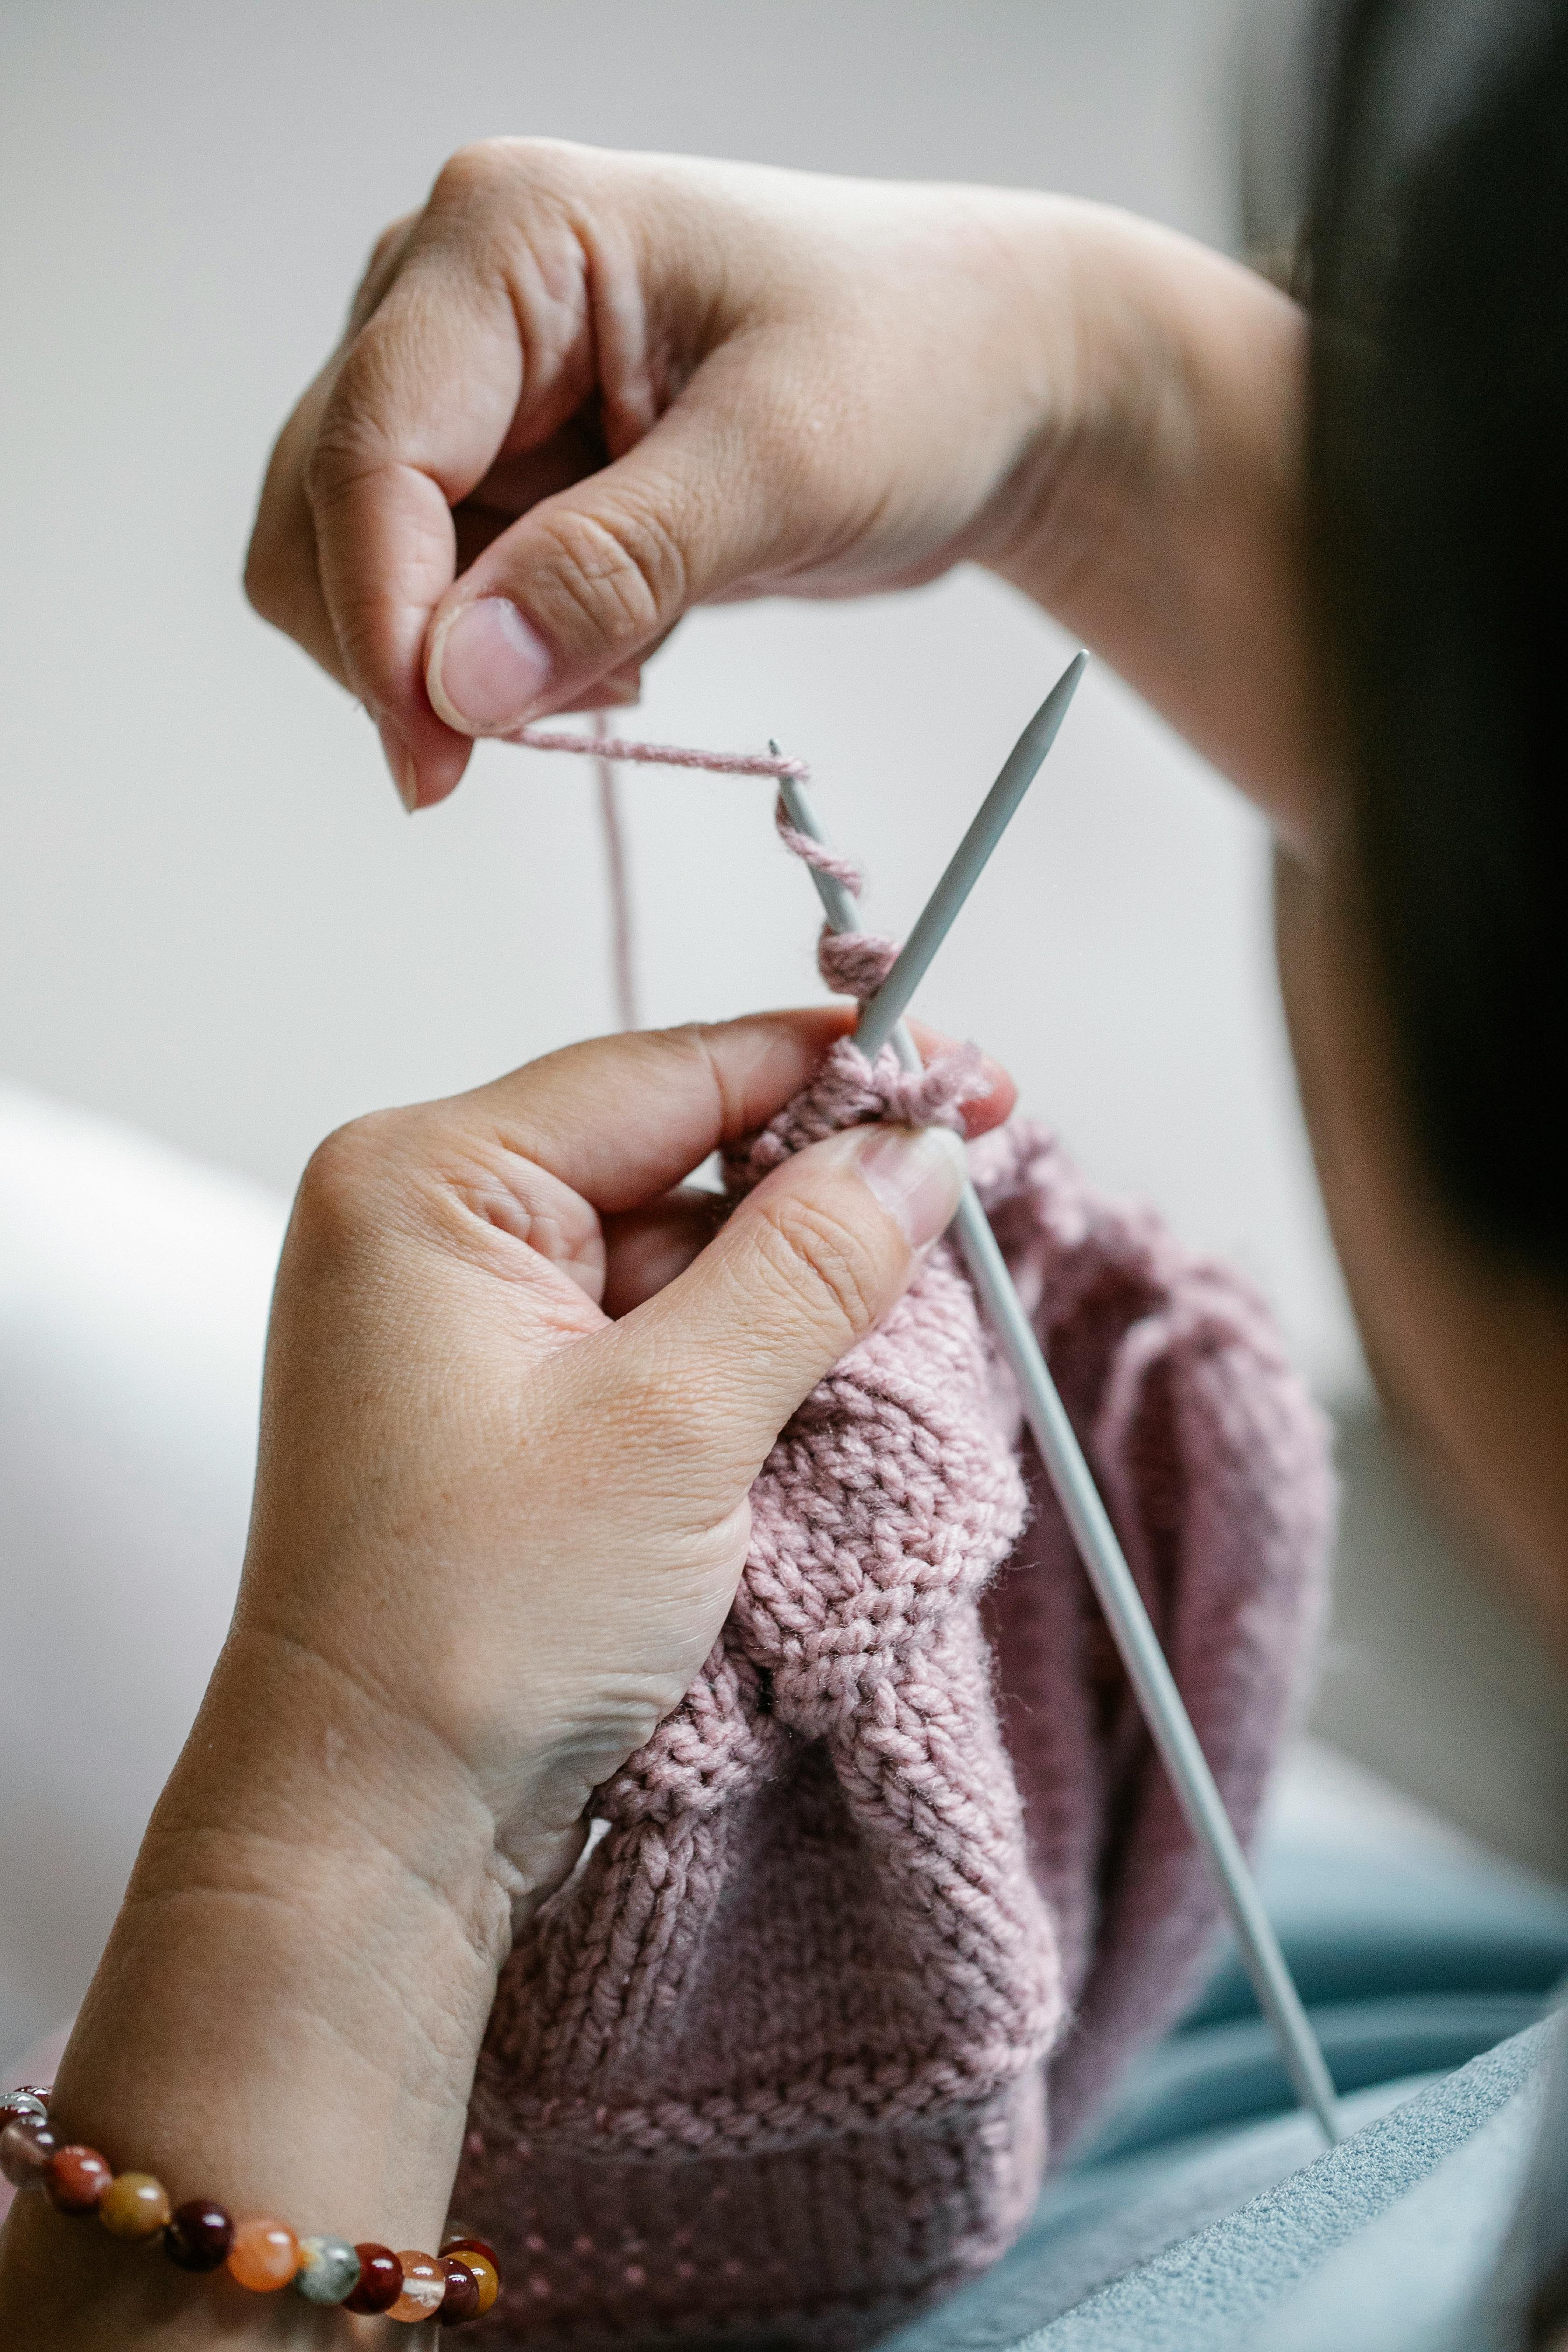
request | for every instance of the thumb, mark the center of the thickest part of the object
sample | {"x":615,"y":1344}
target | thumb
{"x":809,"y":1262}
{"x":589,"y":582}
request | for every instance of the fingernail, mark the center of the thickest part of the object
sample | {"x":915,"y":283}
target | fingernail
{"x":487,"y":666}
{"x":400,"y":760}
{"x":917,"y":1173}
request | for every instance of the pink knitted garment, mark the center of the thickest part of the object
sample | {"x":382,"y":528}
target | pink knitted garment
{"x":885,"y":1904}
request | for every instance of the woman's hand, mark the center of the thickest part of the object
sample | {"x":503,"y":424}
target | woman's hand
{"x":581,"y":393}
{"x":518,"y":1387}
{"x":616,"y":386}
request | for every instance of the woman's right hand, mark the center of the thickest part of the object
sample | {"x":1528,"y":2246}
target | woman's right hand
{"x":581,"y":393}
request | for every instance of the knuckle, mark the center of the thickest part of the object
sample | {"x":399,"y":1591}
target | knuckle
{"x":350,"y":441}
{"x":688,"y":1051}
{"x":822,"y":1262}
{"x":695,"y":1042}
{"x":484,"y":171}
{"x":385,"y":256}
{"x":622,"y":569}
{"x":281,"y":558}
{"x":345,"y":1173}
{"x":265,"y":578}
{"x":471,"y":172}
{"x":387,"y":245}
{"x":355,"y":430}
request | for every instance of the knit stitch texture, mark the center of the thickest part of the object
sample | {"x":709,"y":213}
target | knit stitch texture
{"x":881,"y":1910}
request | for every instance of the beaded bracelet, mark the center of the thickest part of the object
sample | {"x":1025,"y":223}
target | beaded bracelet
{"x":259,"y":2252}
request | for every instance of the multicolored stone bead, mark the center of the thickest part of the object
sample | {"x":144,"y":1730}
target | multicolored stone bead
{"x":199,"y":2236}
{"x":461,"y":2299}
{"x":488,"y":2277}
{"x":261,"y":2253}
{"x":464,"y":2247}
{"x":380,"y":2280}
{"x":265,"y":2254}
{"x":26,"y":2149}
{"x":329,"y":2270}
{"x":135,"y":2205}
{"x":75,"y":2178}
{"x":424,"y":2287}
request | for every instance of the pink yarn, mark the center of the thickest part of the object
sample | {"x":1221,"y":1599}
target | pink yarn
{"x":818,"y":854}
{"x":880,"y":1911}
{"x":844,"y":958}
{"x":849,"y":1090}
{"x":658,"y":755}
{"x":623,"y":942}
{"x":614,"y":748}
{"x":855,"y":964}
{"x":884,"y":1906}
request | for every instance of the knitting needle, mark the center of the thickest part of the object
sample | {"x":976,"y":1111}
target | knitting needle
{"x":882,"y":1011}
{"x":1161,"y":1701}
{"x":881,"y":1016}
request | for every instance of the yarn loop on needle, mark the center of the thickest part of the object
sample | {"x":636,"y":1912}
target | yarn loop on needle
{"x":849,"y":1090}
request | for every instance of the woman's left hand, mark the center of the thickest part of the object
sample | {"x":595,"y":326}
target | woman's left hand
{"x":519,"y":1384}
{"x":518,"y":1389}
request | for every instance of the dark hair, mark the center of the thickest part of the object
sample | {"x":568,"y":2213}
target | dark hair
{"x":1437,"y":268}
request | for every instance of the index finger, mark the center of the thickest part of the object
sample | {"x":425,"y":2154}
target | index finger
{"x":416,"y":414}
{"x":622,"y":1119}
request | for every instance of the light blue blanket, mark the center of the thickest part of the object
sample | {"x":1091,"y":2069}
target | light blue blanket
{"x":1204,"y":2219}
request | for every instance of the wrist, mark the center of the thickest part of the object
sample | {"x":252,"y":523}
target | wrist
{"x":282,"y":2053}
{"x":288,"y":2013}
{"x":304,"y":1766}
{"x":1126,"y":333}
{"x":282,"y":1960}
{"x":1159,"y":511}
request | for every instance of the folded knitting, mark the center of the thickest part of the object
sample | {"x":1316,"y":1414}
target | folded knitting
{"x":877,"y":1915}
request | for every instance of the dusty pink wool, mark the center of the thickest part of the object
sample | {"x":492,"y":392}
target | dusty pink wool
{"x":883,"y":1909}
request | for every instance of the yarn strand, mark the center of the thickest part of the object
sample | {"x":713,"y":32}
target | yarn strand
{"x":623,"y":931}
{"x":658,"y":755}
{"x":852,"y":963}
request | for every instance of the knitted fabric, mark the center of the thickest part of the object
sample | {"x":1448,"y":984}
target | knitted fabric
{"x":891,"y":1897}
{"x":876,"y":1917}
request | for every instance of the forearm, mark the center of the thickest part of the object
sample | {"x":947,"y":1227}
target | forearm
{"x":286,"y":2019}
{"x":1161,"y":510}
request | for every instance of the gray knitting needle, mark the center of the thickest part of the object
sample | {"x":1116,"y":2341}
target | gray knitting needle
{"x":996,"y":812}
{"x":1164,"y":1712}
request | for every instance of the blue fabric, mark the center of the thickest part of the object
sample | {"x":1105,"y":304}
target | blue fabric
{"x":1376,"y":1925}
{"x":1232,"y":2073}
{"x":1095,"y":2226}
{"x":1410,"y":2275}
{"x":1230,"y":2285}
{"x":1204,"y":2216}
{"x":1408,"y":1966}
